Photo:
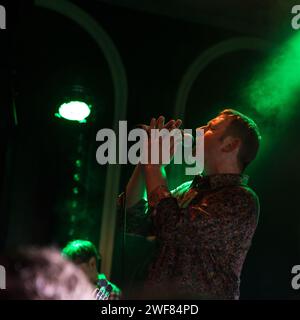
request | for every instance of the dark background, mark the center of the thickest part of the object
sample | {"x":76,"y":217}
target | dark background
{"x":44,"y":53}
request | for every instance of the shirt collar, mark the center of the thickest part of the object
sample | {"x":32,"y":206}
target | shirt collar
{"x":219,"y":180}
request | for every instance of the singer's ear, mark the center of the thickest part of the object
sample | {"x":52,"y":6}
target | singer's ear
{"x":230,"y":144}
{"x":92,"y":262}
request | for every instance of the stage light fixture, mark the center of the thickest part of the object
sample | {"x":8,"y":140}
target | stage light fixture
{"x":75,"y":104}
{"x":74,"y":110}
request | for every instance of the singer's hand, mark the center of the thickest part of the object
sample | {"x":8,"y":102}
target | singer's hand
{"x":155,"y":140}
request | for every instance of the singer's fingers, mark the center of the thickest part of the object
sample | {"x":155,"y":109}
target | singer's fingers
{"x":160,"y":122}
{"x":178,"y":123}
{"x":144,"y":127}
{"x":169,"y":124}
{"x":152,"y":123}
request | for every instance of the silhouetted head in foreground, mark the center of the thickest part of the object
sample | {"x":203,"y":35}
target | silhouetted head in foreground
{"x":43,"y":274}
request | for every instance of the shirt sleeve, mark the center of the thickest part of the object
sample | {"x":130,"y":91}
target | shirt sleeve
{"x":138,"y":220}
{"x":223,"y":216}
{"x":164,"y":212}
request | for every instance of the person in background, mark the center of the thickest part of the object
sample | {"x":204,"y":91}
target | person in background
{"x":85,"y":255}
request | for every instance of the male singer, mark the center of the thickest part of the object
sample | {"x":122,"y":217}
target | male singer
{"x":204,"y":227}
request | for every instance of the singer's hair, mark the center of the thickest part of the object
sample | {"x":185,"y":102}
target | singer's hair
{"x":43,"y":274}
{"x":81,"y":251}
{"x":247,"y":131}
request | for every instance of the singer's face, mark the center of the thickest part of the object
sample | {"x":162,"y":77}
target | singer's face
{"x":213,"y":133}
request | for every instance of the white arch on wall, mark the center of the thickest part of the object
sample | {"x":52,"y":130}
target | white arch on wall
{"x":111,"y":54}
{"x":205,"y":58}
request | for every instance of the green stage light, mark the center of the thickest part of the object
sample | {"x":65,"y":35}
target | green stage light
{"x":275,"y":88}
{"x":74,"y":111}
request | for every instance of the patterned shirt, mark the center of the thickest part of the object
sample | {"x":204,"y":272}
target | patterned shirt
{"x":203,"y":231}
{"x":114,"y":294}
